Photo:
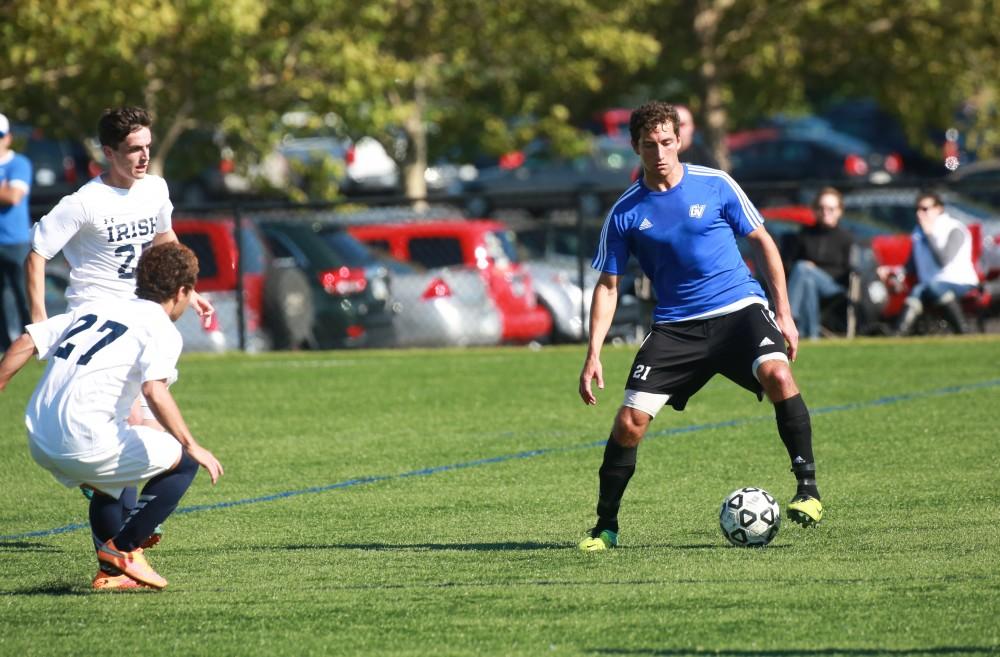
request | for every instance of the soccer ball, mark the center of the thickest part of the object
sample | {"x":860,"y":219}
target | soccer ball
{"x":749,"y":517}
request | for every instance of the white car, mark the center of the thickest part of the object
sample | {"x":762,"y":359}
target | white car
{"x":367,"y":165}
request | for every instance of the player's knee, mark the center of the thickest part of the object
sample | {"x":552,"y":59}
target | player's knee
{"x":630,"y":427}
{"x":777,"y":379}
{"x":186,"y":465}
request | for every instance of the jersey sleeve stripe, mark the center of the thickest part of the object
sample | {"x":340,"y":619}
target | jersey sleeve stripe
{"x":602,"y":250}
{"x":748,"y":207}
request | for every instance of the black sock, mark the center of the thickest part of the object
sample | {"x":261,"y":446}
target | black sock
{"x":105,"y":521}
{"x":795,"y":429}
{"x":158,"y":500}
{"x":616,"y":470}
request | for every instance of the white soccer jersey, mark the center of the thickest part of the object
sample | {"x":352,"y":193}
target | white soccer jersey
{"x":99,"y":356}
{"x":101,"y":230}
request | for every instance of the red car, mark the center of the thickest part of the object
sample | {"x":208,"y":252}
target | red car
{"x":485,"y":245}
{"x":276,"y":304}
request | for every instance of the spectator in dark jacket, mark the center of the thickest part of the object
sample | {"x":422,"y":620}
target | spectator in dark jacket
{"x":820,"y":258}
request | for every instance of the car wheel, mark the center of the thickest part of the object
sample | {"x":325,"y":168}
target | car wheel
{"x":288,"y":309}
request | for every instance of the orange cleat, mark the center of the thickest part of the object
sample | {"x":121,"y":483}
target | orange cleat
{"x":133,"y":564}
{"x":105,"y":582}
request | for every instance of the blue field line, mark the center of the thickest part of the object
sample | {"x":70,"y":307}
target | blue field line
{"x":423,"y":472}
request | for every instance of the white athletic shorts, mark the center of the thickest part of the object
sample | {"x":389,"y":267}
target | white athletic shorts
{"x":141,"y":454}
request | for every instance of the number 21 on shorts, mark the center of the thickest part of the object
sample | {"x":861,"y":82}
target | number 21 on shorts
{"x":641,"y":371}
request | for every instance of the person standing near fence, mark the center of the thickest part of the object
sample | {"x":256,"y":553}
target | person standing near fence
{"x":15,"y":226}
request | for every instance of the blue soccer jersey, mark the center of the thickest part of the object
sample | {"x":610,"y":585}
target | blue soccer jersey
{"x":685,"y":242}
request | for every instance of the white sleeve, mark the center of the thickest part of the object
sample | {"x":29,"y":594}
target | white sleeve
{"x":158,"y":359}
{"x":46,"y":335}
{"x":55,"y":229}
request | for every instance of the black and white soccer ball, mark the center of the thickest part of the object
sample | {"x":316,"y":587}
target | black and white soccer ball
{"x":750,"y":517}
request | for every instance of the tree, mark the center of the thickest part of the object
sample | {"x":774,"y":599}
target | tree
{"x":461,"y":69}
{"x":735,"y":61}
{"x":186,"y":61}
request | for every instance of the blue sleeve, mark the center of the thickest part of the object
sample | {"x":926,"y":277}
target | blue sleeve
{"x":612,"y":248}
{"x":737,"y":209}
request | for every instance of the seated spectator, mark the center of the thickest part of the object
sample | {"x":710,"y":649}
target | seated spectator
{"x":941,"y":260}
{"x":820,"y":262}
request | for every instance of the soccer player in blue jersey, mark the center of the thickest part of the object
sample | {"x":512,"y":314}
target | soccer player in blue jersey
{"x":681,"y":222}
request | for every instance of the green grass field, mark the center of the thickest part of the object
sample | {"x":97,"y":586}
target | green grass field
{"x":429,"y":503}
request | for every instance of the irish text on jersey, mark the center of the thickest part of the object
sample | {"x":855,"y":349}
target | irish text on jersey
{"x":131,"y":230}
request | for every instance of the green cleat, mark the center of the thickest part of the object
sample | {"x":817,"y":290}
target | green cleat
{"x":605,"y":540}
{"x":805,"y":510}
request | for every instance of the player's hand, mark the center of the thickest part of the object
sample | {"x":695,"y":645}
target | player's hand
{"x":592,"y":370}
{"x":787,"y":326}
{"x":202,"y":306}
{"x":206,"y":460}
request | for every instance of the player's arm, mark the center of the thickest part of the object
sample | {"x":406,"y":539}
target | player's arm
{"x":602,"y":312}
{"x":168,"y":414}
{"x":11,"y":194}
{"x":19,"y":353}
{"x":774,"y":276}
{"x":34,"y":281}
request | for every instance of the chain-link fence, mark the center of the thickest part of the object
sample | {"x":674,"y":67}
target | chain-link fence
{"x":376,"y":272}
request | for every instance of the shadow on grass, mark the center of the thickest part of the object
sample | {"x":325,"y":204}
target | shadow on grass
{"x":25,"y":546}
{"x":465,"y":547}
{"x":54,"y":589}
{"x":818,"y":652}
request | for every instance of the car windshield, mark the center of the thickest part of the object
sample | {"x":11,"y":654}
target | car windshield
{"x":354,"y":253}
{"x":501,"y":245}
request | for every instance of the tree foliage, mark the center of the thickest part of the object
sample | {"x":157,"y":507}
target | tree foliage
{"x":433,"y":78}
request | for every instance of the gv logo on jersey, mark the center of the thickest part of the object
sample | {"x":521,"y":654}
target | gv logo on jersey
{"x":696,"y":211}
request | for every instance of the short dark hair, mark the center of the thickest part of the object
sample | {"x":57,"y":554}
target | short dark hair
{"x":117,"y":123}
{"x":163,"y":269}
{"x":932,"y":195}
{"x":648,"y":116}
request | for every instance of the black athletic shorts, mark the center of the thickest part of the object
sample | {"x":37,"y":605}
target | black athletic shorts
{"x":677,"y":359}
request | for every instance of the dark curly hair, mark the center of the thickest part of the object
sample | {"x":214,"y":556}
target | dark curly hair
{"x":164,"y":269}
{"x":117,"y":123}
{"x":646,"y":117}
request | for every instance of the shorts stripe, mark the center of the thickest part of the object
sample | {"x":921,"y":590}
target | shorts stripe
{"x":647,"y":402}
{"x":776,"y":355}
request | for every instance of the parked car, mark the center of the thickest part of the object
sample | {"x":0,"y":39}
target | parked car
{"x":542,"y":181}
{"x":553,"y":252}
{"x":351,"y":300}
{"x":275,"y":307}
{"x":979,"y":181}
{"x":367,"y":167}
{"x":485,"y":246}
{"x":863,"y":119}
{"x":795,"y":154}
{"x":61,"y":166}
{"x":446,"y":306}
